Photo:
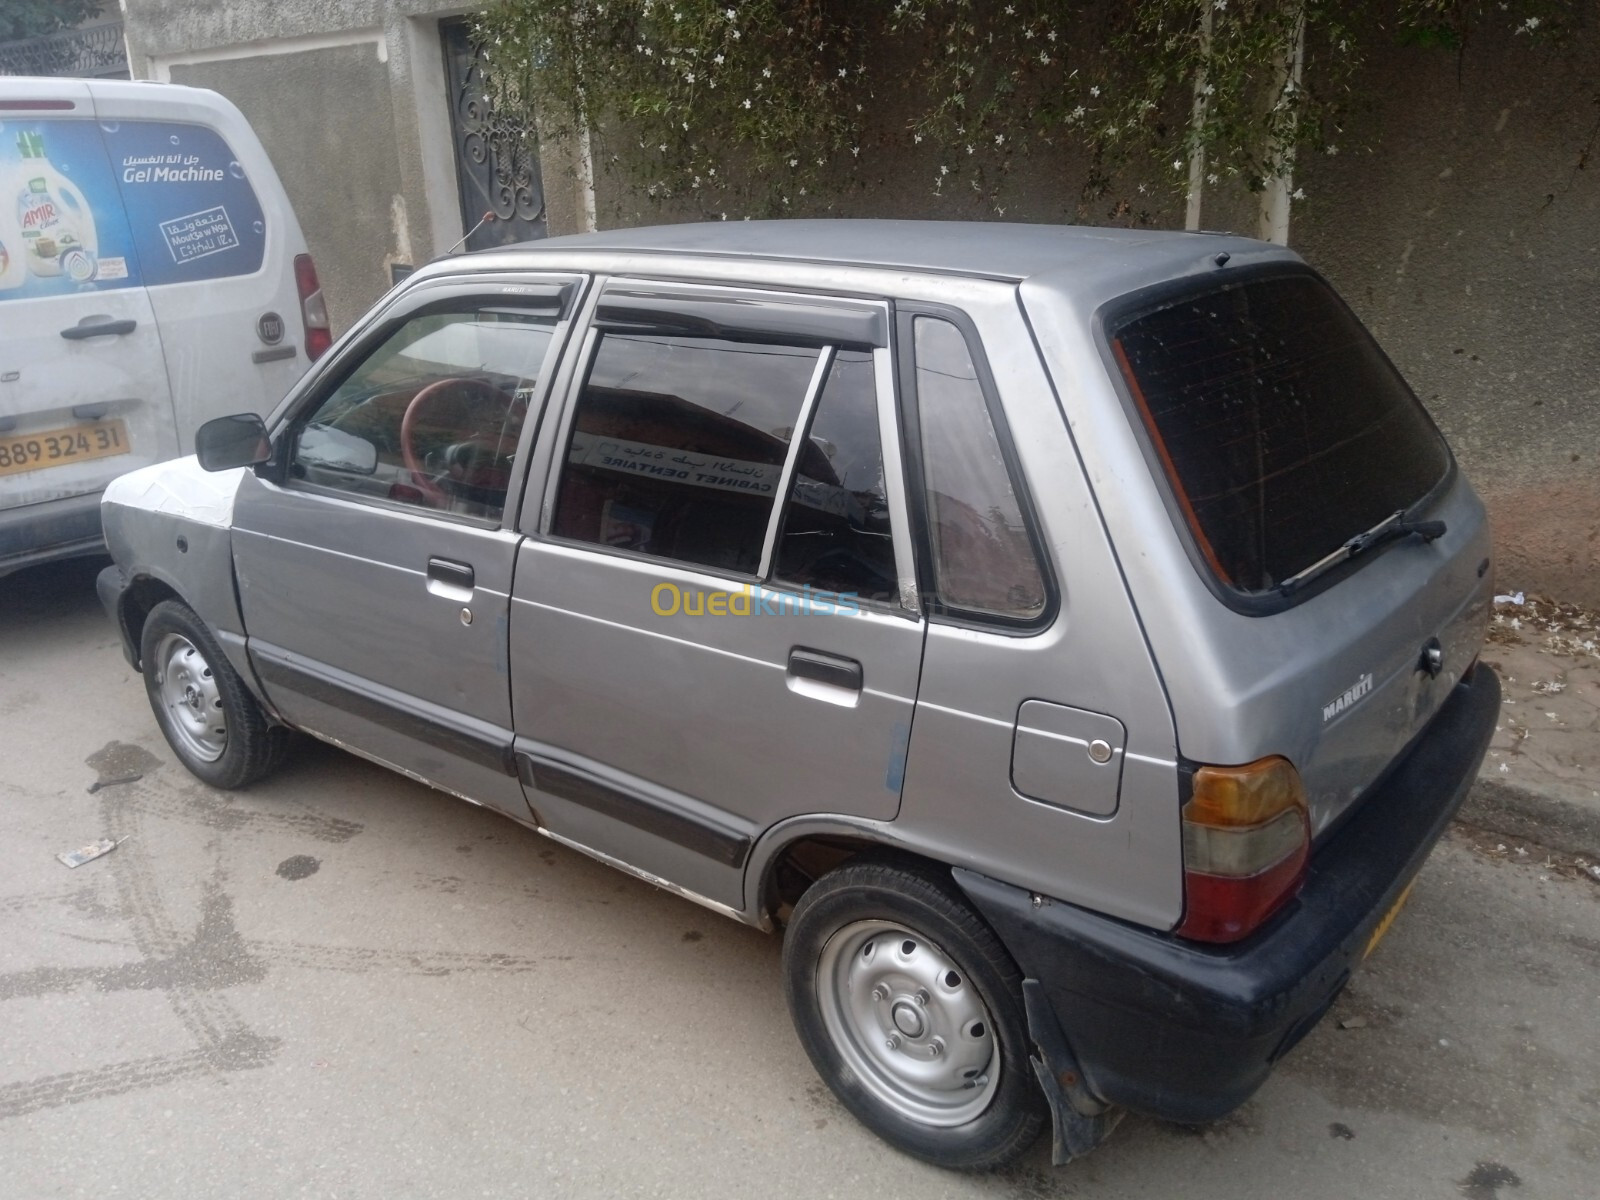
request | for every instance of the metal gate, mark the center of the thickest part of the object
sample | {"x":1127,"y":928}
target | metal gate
{"x":497,"y":158}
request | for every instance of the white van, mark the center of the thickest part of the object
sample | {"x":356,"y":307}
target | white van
{"x":152,"y":276}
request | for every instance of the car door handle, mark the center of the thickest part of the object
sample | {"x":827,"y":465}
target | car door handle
{"x":99,"y":327}
{"x":445,"y":576}
{"x":822,"y":667}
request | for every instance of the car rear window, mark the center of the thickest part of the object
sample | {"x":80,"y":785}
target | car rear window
{"x":1282,"y":427}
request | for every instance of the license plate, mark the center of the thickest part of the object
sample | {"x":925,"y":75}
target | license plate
{"x":1388,"y":919}
{"x":21,"y":452}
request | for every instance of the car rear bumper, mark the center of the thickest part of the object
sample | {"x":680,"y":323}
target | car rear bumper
{"x":54,"y":529}
{"x":1185,"y":1031}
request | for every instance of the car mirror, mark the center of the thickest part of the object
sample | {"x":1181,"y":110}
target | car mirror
{"x":237,"y":441}
{"x":335,"y":450}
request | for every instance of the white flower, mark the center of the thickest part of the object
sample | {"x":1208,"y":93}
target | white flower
{"x":1011,"y":10}
{"x":1208,"y":90}
{"x":1044,"y":58}
{"x":747,"y":102}
{"x":794,"y":162}
{"x":1095,"y":90}
{"x":1177,"y":164}
{"x":1332,"y":150}
{"x":662,"y":147}
{"x":842,"y":72}
{"x":999,"y":139}
{"x":916,"y":137}
{"x":1212,"y":178}
{"x":689,"y":77}
{"x":717,"y":59}
{"x":944,"y":170}
{"x":766,"y":72}
{"x":735,"y":35}
{"x":802,"y":191}
{"x":729,"y":13}
{"x":969,"y":147}
{"x":1298,"y":194}
{"x":855,"y":151}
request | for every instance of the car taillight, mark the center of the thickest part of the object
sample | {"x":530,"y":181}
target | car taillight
{"x":1246,"y":842}
{"x":313,"y":309}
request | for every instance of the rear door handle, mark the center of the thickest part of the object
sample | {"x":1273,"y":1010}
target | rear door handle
{"x":99,"y":327}
{"x":451,"y":579}
{"x":822,"y":667}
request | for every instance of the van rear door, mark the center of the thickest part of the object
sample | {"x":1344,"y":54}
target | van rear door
{"x":217,"y":240}
{"x":83,"y":383}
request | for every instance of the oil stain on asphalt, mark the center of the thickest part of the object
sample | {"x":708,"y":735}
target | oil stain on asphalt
{"x":298,"y":867}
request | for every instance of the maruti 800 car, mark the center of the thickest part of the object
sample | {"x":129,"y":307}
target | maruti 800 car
{"x":1069,"y":637}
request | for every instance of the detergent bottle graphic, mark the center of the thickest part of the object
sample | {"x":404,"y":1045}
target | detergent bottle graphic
{"x":55,"y":225}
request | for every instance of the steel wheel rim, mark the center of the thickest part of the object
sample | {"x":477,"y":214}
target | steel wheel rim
{"x":187,"y":688}
{"x":909,"y":1023}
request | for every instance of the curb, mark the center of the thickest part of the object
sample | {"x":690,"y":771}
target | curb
{"x":1520,"y":813}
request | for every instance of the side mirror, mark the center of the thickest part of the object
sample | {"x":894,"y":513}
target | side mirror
{"x":237,"y":441}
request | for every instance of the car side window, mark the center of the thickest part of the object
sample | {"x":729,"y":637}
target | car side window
{"x":984,"y":563}
{"x":430,"y":418}
{"x":678,"y":445}
{"x":836,"y":531}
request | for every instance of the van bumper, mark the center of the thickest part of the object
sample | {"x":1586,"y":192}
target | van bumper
{"x":53,"y":529}
{"x":1187,"y":1032}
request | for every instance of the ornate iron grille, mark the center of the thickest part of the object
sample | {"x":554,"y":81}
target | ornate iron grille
{"x":96,"y":51}
{"x":497,"y":158}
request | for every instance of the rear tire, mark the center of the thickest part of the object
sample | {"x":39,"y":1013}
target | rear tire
{"x":206,"y":713}
{"x":911,"y":1011}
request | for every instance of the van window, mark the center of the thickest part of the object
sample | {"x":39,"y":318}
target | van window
{"x":1282,"y":427}
{"x":62,"y":227}
{"x":190,"y":205}
{"x":983,"y":558}
{"x":431,"y":418}
{"x":836,"y":535}
{"x":678,"y":445}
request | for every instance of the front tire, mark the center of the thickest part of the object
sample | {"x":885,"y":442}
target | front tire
{"x":911,"y":1011}
{"x":206,"y":713}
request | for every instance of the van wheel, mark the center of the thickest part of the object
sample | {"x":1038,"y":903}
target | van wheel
{"x":207,"y":715}
{"x":911,"y":1011}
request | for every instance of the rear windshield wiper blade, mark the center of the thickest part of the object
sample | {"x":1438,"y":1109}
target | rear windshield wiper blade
{"x":1390,"y":529}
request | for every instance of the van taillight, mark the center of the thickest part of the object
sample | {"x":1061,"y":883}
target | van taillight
{"x":313,"y":309}
{"x":1246,"y":842}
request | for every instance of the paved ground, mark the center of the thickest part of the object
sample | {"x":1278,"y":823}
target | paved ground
{"x":342,"y":984}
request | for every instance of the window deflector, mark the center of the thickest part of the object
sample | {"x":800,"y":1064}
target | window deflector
{"x":791,"y":461}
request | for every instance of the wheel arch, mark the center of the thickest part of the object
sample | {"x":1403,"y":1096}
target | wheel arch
{"x":794,"y":853}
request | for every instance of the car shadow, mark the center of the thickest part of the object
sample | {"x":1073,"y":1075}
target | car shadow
{"x":38,"y":597}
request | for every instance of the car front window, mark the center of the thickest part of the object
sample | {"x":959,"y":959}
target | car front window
{"x":433,"y":416}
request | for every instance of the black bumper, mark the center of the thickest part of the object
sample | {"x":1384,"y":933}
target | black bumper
{"x":1187,"y":1032}
{"x":111,"y":583}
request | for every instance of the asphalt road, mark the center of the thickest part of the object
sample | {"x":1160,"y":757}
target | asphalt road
{"x":342,"y":984}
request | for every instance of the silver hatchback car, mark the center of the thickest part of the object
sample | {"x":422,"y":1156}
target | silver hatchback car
{"x":1069,"y":636}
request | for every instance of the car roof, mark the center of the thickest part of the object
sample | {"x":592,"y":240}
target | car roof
{"x":987,"y":249}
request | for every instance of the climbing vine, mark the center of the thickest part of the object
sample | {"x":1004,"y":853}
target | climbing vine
{"x":774,"y":107}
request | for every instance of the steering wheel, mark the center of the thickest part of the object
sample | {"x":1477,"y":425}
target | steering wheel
{"x":470,"y":407}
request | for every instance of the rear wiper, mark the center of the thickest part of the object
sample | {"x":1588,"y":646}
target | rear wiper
{"x":1390,"y":529}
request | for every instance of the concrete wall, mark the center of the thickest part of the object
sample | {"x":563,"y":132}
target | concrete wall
{"x":349,"y":99}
